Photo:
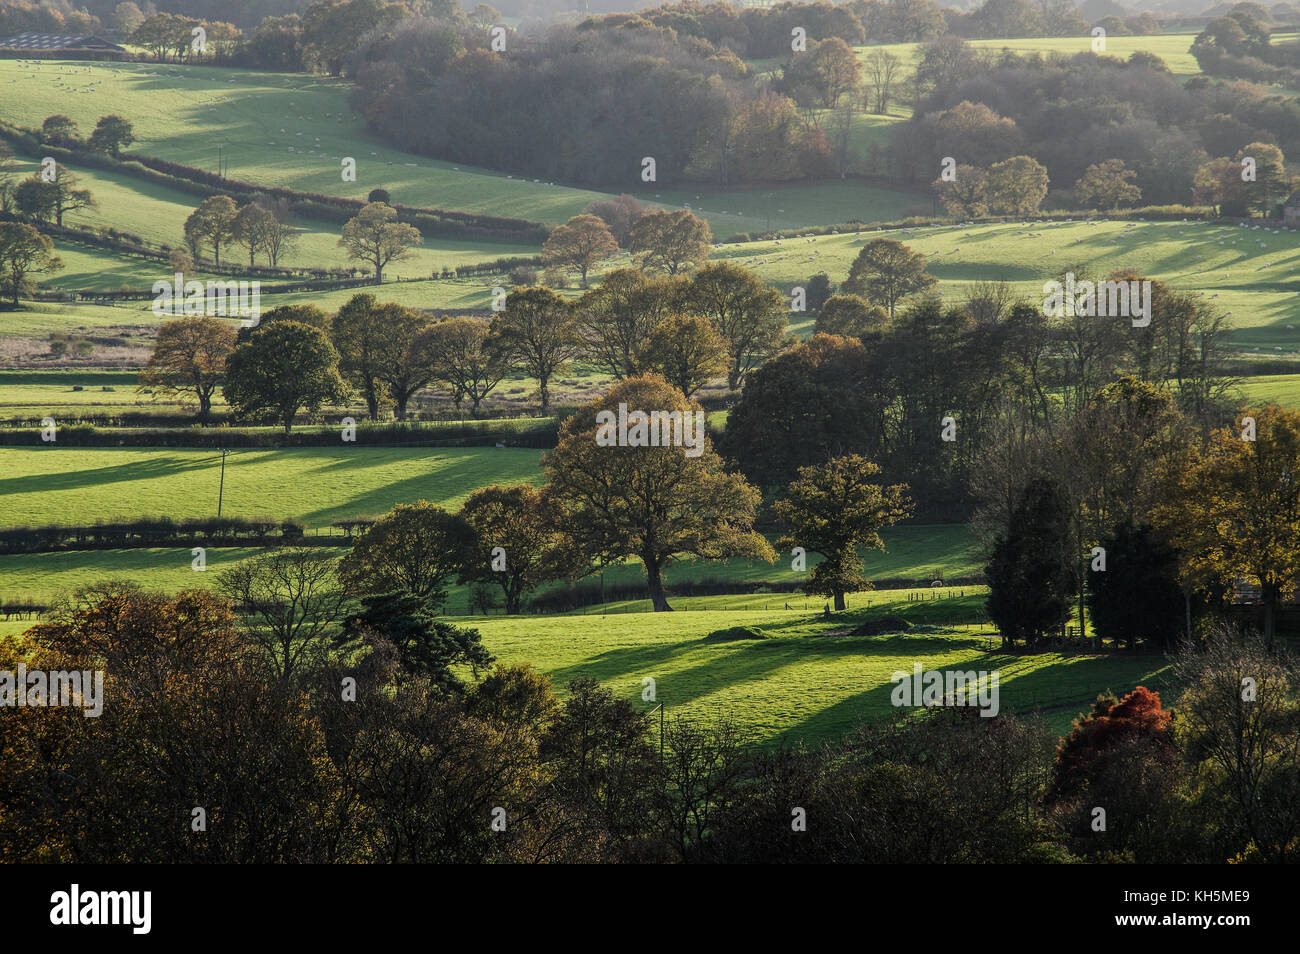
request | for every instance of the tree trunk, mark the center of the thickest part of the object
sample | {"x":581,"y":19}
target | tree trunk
{"x":372,"y":404}
{"x":839,"y":600}
{"x":654,"y":580}
{"x":1270,"y":607}
{"x":544,"y":393}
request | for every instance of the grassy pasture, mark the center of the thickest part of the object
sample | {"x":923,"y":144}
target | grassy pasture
{"x":1173,"y":48}
{"x":799,"y":682}
{"x":317,"y":485}
{"x":293,"y":130}
{"x":1251,"y":273}
{"x":1255,"y":283}
{"x":910,"y":551}
{"x":158,"y":214}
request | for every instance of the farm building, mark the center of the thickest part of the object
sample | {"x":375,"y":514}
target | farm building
{"x":55,"y":41}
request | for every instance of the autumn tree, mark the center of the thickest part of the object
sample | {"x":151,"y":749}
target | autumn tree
{"x":1017,"y":186}
{"x":464,"y":356}
{"x":374,"y":236}
{"x":965,"y":195}
{"x":618,"y":315}
{"x":686,"y":350}
{"x":1234,"y":507}
{"x":1270,"y":183}
{"x":1218,"y":184}
{"x":1107,"y":185}
{"x":23,"y":252}
{"x":887,"y":271}
{"x":672,"y":242}
{"x":1096,"y":737}
{"x":406,"y":364}
{"x":52,"y":199}
{"x":58,"y":130}
{"x":250,"y":227}
{"x":539,"y":331}
{"x":619,"y":215}
{"x":278,"y":236}
{"x":747,"y":312}
{"x":1247,"y":749}
{"x":580,"y":244}
{"x":834,"y":510}
{"x":517,"y":533}
{"x":189,"y":356}
{"x":360,"y":337}
{"x":850,"y":315}
{"x":283,"y":367}
{"x":214,"y":222}
{"x":414,"y":549}
{"x":836,"y":69}
{"x":653,"y":503}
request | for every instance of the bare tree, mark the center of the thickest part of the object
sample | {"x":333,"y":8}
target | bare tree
{"x":882,"y":72}
{"x":290,"y":600}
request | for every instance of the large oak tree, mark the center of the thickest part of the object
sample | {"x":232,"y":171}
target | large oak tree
{"x":654,"y":504}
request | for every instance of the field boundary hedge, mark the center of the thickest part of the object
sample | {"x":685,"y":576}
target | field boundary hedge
{"x":159,"y":532}
{"x":504,"y":432}
{"x":1159,"y":213}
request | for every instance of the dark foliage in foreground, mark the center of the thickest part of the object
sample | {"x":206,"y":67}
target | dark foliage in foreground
{"x":373,"y":762}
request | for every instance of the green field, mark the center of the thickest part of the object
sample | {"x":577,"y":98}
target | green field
{"x":1256,"y":284}
{"x":799,"y":681}
{"x":1173,"y":48}
{"x":157,"y":214}
{"x":316,"y":485}
{"x":254,"y":119}
{"x":910,"y":552}
{"x":1283,"y":389}
{"x":1253,"y":274}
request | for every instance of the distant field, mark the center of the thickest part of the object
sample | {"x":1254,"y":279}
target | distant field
{"x":1257,"y":285}
{"x":1251,"y":273}
{"x":1173,"y":48}
{"x":292,"y":130}
{"x":158,"y":214}
{"x":1283,"y":389}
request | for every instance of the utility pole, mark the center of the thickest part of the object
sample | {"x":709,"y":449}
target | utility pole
{"x":221,"y":488}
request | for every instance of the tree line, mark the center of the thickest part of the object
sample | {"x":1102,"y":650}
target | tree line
{"x":681,"y":317}
{"x":381,"y":752}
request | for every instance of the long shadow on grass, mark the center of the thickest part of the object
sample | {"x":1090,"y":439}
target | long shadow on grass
{"x":747,"y":661}
{"x":98,"y":476}
{"x":1078,"y":680}
{"x":456,"y":476}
